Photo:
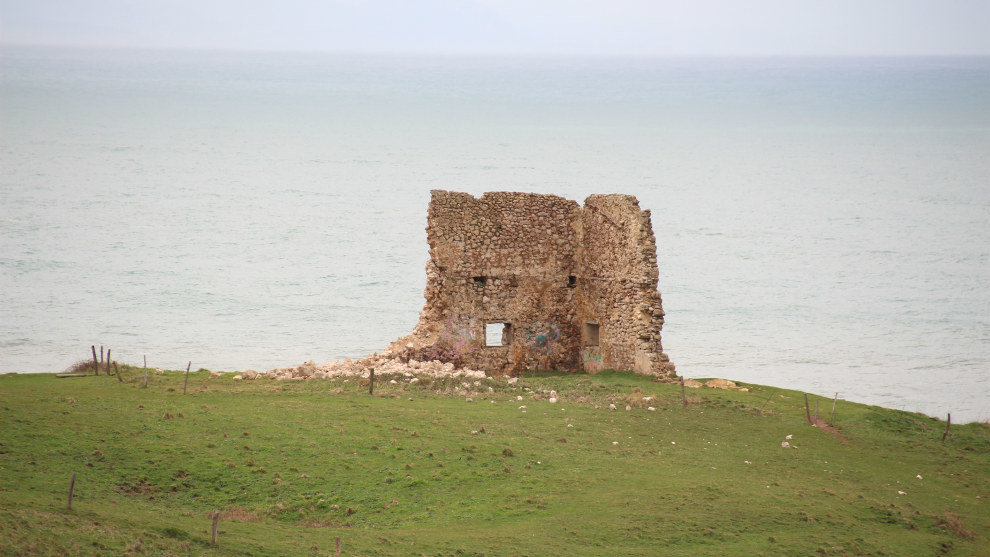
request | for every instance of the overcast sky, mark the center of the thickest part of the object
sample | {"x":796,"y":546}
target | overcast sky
{"x":645,"y":27}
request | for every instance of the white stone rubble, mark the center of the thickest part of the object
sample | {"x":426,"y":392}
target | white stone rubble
{"x":412,"y":370}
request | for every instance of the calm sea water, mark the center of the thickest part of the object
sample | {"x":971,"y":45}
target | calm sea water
{"x":823,"y":224}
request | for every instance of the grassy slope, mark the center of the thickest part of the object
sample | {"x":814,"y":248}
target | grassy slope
{"x":293,"y":465}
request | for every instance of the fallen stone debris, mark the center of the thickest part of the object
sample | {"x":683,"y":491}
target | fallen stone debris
{"x":383,"y":365}
{"x":714,"y":384}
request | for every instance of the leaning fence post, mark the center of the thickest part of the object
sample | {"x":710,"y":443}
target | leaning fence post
{"x":117,"y":371}
{"x":72,"y":487}
{"x":187,"y":377}
{"x":683,"y":394}
{"x":807,"y":410}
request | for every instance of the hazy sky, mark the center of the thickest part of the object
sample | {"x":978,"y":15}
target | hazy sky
{"x":681,"y":27}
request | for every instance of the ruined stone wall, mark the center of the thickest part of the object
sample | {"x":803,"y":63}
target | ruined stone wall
{"x":618,"y":287}
{"x":502,"y":233}
{"x":542,"y":269}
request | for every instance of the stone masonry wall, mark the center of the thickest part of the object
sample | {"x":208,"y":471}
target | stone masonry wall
{"x":548,"y":274}
{"x":619,"y":287}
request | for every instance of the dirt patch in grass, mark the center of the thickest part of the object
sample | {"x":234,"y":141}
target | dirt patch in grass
{"x":141,"y":487}
{"x":953,"y":523}
{"x":822,"y":425}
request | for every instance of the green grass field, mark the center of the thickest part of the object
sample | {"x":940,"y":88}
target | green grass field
{"x":418,"y":469}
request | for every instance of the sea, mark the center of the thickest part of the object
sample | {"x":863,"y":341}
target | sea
{"x":822,"y":224}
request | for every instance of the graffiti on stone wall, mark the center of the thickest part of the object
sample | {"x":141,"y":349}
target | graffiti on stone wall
{"x":591,"y":359}
{"x":458,"y":338}
{"x":542,"y":336}
{"x":591,"y":354}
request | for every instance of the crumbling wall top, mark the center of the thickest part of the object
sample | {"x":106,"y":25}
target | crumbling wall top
{"x":502,"y":233}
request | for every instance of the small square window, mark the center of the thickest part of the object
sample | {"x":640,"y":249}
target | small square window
{"x":591,"y":333}
{"x":571,"y":281}
{"x":480,"y":282}
{"x":498,"y":334}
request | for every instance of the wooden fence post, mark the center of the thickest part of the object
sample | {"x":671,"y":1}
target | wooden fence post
{"x":72,"y":487}
{"x":187,"y":377}
{"x":216,"y":520}
{"x":96,"y":366}
{"x":807,"y":410}
{"x":117,"y":371}
{"x":108,"y":361}
{"x":948,"y":422}
{"x":683,"y":394}
{"x":371,"y":382}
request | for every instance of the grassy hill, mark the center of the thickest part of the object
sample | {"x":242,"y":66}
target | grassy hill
{"x":450,"y":467}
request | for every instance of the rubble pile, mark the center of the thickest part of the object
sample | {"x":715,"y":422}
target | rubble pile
{"x":382,"y":365}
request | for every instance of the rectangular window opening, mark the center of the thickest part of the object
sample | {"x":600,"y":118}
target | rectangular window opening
{"x":571,"y":281}
{"x":498,"y":333}
{"x":479,"y":282}
{"x":591,"y":333}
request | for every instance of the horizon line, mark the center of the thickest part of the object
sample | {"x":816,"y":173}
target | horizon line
{"x":476,"y":53}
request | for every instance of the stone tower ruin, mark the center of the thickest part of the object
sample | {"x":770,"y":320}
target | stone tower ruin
{"x":521,"y":281}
